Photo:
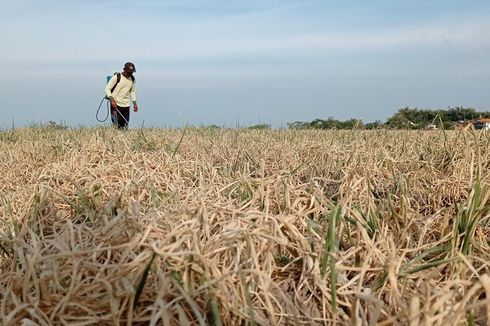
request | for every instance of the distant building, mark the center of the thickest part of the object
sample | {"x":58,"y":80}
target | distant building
{"x":478,"y":124}
{"x":482,"y":124}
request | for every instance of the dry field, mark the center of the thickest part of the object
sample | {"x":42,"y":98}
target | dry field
{"x":244,"y":227}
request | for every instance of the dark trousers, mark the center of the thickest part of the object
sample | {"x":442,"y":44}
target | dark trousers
{"x":120,"y":117}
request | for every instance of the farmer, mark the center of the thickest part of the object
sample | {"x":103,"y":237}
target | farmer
{"x":120,"y":90}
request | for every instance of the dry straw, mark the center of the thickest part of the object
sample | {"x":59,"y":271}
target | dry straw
{"x":234,"y":227}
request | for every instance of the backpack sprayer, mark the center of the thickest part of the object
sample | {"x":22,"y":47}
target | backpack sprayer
{"x":108,"y":103}
{"x":115,"y":111}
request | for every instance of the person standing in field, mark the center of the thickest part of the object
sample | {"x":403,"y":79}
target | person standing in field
{"x":121,"y":90}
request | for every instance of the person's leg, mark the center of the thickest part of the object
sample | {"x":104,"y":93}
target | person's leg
{"x":122,"y":117}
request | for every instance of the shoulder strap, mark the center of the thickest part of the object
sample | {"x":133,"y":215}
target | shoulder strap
{"x":118,"y":79}
{"x":132,"y":82}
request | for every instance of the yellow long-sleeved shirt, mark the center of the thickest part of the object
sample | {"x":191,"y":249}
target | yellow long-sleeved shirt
{"x":124,"y":92}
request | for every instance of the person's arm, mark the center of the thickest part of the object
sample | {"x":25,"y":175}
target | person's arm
{"x":133,"y":97}
{"x":108,"y":88}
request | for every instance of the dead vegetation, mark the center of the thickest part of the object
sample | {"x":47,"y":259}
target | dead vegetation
{"x":235,"y":227}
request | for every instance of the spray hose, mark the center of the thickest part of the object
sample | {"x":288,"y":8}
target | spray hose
{"x":108,"y":111}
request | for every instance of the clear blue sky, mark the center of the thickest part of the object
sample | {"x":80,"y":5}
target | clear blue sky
{"x":224,"y":61}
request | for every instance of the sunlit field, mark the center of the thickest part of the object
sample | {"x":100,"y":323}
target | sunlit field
{"x":240,"y":227}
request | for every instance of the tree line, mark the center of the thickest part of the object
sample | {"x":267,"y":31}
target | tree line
{"x":405,"y":118}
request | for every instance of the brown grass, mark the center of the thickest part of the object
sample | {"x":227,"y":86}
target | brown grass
{"x":235,"y":227}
